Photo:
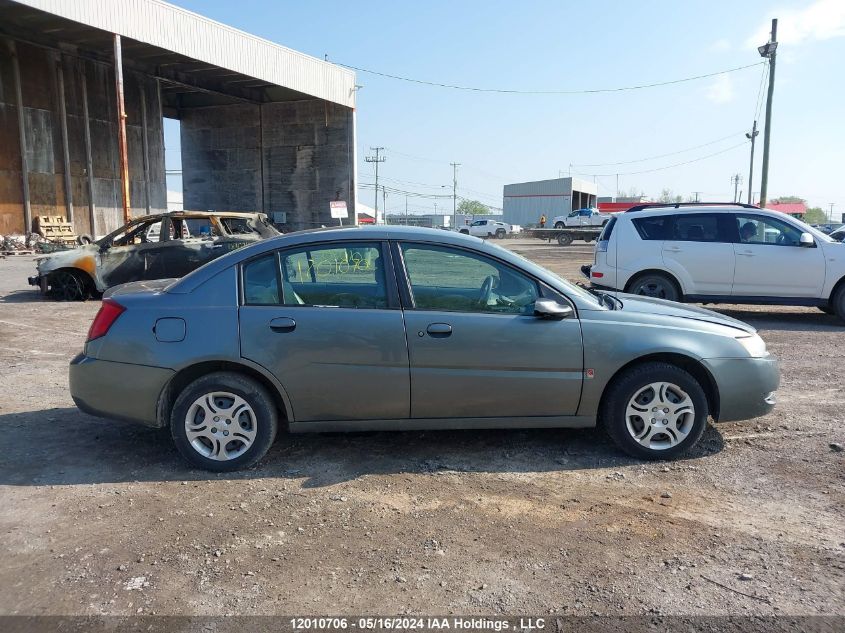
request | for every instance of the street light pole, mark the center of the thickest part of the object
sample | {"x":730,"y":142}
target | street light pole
{"x":752,"y":136}
{"x":768,"y":50}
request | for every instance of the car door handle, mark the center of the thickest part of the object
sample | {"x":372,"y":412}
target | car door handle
{"x":673,"y":249}
{"x":746,"y":254}
{"x":439,"y":330}
{"x":283,"y":324}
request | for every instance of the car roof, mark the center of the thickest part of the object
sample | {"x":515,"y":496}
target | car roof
{"x":695,"y":208}
{"x":378,"y":232}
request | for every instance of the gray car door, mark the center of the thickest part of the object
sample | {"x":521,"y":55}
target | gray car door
{"x":476,"y":348}
{"x":325,"y":320}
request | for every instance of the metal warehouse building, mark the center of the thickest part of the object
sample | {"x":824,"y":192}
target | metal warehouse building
{"x":263,"y":127}
{"x":525,"y":202}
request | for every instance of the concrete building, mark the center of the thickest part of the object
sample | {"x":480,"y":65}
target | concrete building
{"x":263,"y":127}
{"x":525,"y":202}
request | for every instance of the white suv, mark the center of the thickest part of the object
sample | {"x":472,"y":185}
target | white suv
{"x":486,"y":228}
{"x":720,"y":253}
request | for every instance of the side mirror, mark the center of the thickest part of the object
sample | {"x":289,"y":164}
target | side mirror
{"x":806,"y":240}
{"x":550,"y":309}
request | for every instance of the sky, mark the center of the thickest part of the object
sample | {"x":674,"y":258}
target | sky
{"x":544,"y":45}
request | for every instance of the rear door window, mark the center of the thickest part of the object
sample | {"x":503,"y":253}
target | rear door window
{"x":697,"y":227}
{"x":261,"y":281}
{"x":349,"y":275}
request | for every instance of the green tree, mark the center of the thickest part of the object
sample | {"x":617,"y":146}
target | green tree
{"x":815,"y":215}
{"x":789,"y":199}
{"x":472,"y":207}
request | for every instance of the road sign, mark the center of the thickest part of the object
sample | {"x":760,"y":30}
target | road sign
{"x":338,"y":209}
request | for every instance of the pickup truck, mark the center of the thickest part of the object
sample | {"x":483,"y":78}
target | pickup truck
{"x":488,"y":228}
{"x":581,"y":217}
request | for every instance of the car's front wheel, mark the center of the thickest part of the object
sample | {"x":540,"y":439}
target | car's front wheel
{"x":838,"y":302}
{"x":223,"y":421}
{"x":655,"y":411}
{"x":559,"y":225}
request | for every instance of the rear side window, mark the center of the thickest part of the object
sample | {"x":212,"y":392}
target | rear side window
{"x":261,"y":281}
{"x":653,"y":227}
{"x":696,"y":227}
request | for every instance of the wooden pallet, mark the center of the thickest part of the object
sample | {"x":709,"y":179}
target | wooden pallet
{"x":54,"y":228}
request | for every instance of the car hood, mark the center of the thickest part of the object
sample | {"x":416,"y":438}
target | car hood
{"x":68,"y":258}
{"x":652,"y":306}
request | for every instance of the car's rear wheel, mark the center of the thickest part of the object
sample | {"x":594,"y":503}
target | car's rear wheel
{"x":223,"y":421}
{"x":655,"y":285}
{"x":655,"y":411}
{"x":500,"y":234}
{"x":564,"y":239}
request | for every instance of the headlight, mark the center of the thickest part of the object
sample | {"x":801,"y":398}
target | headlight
{"x":754,"y":345}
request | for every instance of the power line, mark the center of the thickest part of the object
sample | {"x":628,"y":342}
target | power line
{"x":547,"y":92}
{"x":642,"y":160}
{"x":648,"y":171}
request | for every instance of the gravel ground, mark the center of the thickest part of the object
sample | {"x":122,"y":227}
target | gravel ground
{"x":101,"y":517}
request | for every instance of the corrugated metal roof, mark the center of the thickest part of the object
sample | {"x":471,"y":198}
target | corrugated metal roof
{"x":175,"y":29}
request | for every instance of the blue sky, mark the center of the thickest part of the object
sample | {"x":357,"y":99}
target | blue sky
{"x":545,"y":45}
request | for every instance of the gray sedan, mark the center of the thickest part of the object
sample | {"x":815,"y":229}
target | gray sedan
{"x":401,"y":328}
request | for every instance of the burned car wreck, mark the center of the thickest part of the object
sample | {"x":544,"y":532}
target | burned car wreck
{"x":149,"y":247}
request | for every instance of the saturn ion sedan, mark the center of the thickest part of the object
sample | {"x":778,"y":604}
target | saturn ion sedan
{"x":398,"y":328}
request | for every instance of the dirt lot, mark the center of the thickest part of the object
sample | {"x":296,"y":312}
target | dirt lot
{"x":102,"y":517}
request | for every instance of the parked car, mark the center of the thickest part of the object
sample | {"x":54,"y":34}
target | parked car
{"x":720,"y":253}
{"x":838,"y":235}
{"x":581,"y":217}
{"x":404,"y":328}
{"x":827,"y":229}
{"x":487,"y":228}
{"x":150,"y":247}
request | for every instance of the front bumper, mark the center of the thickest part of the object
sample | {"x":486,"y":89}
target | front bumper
{"x":746,"y":386}
{"x":109,"y":389}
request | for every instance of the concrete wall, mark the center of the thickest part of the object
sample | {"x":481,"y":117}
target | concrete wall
{"x":293,"y":157}
{"x":42,"y":72}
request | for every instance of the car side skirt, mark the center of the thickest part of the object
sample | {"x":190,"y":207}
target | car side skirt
{"x":427,"y":424}
{"x":753,"y":300}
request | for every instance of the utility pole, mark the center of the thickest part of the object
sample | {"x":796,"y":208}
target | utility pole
{"x":736,"y":179}
{"x":123,"y":152}
{"x":830,"y":217}
{"x":696,"y":195}
{"x":751,"y":136}
{"x":768,"y":50}
{"x":376,"y":159}
{"x":406,"y":209}
{"x":384,"y":202}
{"x":455,"y":193}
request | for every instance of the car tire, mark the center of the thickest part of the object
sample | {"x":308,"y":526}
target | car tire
{"x":464,"y":232}
{"x":838,"y":302}
{"x":559,"y":225}
{"x":564,"y":239}
{"x":224,"y":443}
{"x":827,"y":309}
{"x":655,"y":285}
{"x":640,"y":389}
{"x":69,"y":285}
{"x":500,"y":234}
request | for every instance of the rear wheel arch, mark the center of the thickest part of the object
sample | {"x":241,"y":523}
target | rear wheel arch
{"x":187,"y":375}
{"x":689,"y":364}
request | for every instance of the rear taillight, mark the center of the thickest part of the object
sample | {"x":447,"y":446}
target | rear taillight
{"x":597,"y":275}
{"x":109,"y":311}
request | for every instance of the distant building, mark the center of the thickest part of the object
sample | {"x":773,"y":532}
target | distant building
{"x":525,"y":202}
{"x":795,"y":209}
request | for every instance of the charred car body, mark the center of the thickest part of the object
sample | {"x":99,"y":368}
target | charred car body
{"x":149,"y":247}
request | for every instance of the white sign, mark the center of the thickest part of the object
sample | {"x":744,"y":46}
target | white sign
{"x":338,"y":208}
